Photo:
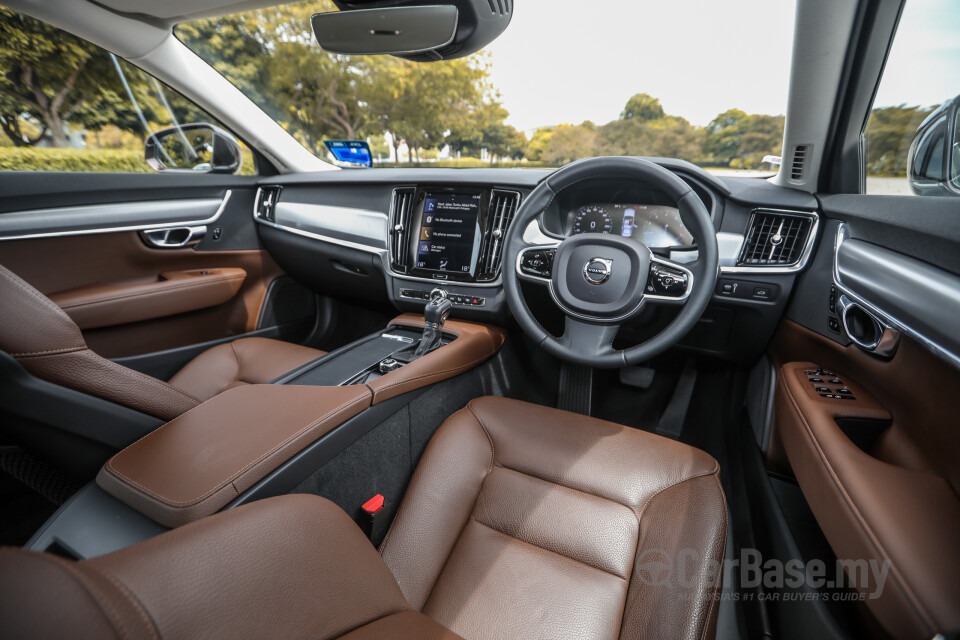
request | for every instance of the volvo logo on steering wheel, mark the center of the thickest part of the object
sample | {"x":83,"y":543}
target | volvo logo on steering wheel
{"x":597,"y":270}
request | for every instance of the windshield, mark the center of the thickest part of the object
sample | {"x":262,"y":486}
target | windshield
{"x":558,"y":85}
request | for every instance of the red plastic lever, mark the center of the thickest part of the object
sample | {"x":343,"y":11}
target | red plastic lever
{"x":374,"y":504}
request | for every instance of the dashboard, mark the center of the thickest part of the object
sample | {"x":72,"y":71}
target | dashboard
{"x":657,"y":226}
{"x":392,"y":236}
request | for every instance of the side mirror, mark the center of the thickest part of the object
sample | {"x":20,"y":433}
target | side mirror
{"x":193,"y":148}
{"x":933,"y":161}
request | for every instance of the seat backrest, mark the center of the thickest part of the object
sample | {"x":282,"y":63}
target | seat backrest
{"x":524,"y":521}
{"x":48,"y":344}
{"x":288,"y":567}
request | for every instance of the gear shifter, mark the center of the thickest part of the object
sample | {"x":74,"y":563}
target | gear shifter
{"x":435,"y":314}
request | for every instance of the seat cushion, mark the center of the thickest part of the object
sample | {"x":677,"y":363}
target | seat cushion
{"x":243,"y":361}
{"x":288,"y":567}
{"x":524,"y":521}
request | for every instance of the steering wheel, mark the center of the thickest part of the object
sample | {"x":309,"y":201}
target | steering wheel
{"x":600,"y":281}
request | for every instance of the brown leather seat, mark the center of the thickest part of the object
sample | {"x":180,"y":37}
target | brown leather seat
{"x":520,"y":522}
{"x":289,"y":567}
{"x":43,"y":338}
{"x":523,"y":522}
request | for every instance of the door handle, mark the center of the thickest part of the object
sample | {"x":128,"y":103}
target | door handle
{"x":173,"y":237}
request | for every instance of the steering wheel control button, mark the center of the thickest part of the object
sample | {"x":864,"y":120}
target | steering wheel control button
{"x":598,"y":270}
{"x":664,"y":281}
{"x":537,"y":262}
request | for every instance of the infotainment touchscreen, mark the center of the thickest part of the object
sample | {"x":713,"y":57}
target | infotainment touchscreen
{"x":449,"y":232}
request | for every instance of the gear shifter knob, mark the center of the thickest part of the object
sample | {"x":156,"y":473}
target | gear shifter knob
{"x":434,"y":314}
{"x":437,"y":311}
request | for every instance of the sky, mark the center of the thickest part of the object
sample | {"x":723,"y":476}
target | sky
{"x":566,"y":61}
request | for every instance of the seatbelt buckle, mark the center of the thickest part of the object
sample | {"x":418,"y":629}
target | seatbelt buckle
{"x":373,"y":518}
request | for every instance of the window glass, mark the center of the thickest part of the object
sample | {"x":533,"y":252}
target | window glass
{"x":911,"y":125}
{"x":609,"y":81}
{"x":67,"y":105}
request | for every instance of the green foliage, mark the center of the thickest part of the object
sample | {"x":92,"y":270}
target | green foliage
{"x":24,"y":159}
{"x":642,"y":106}
{"x":888,"y":135}
{"x":740,"y":139}
{"x":97,"y":160}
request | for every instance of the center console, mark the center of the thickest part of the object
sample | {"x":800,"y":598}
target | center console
{"x":259,"y":440}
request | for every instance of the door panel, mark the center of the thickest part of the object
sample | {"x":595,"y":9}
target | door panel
{"x":63,"y":267}
{"x":878,"y":464}
{"x":130,"y":298}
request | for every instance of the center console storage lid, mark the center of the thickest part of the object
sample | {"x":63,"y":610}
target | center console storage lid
{"x":195,"y":464}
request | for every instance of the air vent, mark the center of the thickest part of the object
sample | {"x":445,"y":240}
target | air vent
{"x":798,"y":164}
{"x":265,"y":206}
{"x":503,"y":206}
{"x":776,"y":239}
{"x":500,"y":7}
{"x":401,"y":209}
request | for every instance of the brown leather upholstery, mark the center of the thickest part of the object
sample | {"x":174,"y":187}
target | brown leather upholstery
{"x":520,"y":522}
{"x":290,"y":567}
{"x":523,"y":521}
{"x":475,"y":343}
{"x":193,"y":466}
{"x":872,"y":510}
{"x":173,"y":292}
{"x":41,"y":336}
{"x":71,"y":262}
{"x":241,"y":362}
{"x":47,"y":342}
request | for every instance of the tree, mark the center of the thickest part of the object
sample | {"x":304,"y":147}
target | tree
{"x":736,"y":137}
{"x":421,"y":103}
{"x":888,"y":135}
{"x":571,"y":142}
{"x":50,"y":76}
{"x":642,"y":106}
{"x":538,"y":143}
{"x":485,"y":128}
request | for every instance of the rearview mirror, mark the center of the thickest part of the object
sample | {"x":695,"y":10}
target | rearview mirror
{"x":391,"y":30}
{"x":193,"y":148}
{"x":933,"y":162}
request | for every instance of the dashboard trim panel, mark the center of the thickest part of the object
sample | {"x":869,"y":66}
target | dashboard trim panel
{"x":332,"y":221}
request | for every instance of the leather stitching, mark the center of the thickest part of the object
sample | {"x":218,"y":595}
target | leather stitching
{"x":21,"y":284}
{"x":47,"y":352}
{"x":564,"y":486}
{"x":233,"y":476}
{"x":141,"y":610}
{"x":551,"y":551}
{"x":723,"y":549}
{"x":472,"y":508}
{"x":94,"y":592}
{"x":159,"y":292}
{"x":858,"y":517}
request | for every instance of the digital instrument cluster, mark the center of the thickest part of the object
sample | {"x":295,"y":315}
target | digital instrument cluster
{"x":657,"y":226}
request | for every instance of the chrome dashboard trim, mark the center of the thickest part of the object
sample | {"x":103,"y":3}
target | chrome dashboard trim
{"x":794,"y":268}
{"x":116,"y":217}
{"x":360,"y":226}
{"x":920,"y":282}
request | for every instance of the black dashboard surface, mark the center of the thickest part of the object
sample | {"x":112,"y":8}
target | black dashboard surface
{"x":319,"y":239}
